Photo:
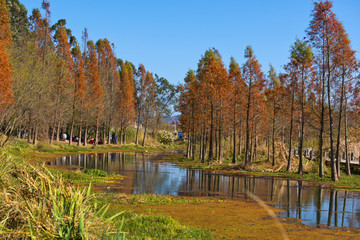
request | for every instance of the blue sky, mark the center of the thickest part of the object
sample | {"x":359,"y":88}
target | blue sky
{"x":169,"y":36}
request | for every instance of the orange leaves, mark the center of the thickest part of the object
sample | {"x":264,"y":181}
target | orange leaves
{"x":6,"y":96}
{"x":63,"y":51}
{"x":126,"y":92}
{"x":5,"y":33}
{"x":79,"y":74}
{"x":212,"y":76}
{"x":95,"y":92}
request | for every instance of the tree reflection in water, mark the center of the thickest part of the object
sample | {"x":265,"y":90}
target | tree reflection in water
{"x":315,"y":204}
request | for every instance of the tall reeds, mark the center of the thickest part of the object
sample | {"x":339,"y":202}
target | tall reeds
{"x":38,"y":205}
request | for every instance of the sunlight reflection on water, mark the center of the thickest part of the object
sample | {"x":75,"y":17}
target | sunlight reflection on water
{"x":315,"y":204}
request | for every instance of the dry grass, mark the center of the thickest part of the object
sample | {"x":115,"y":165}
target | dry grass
{"x":35,"y":204}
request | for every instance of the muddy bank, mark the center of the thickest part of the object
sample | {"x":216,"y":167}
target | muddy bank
{"x":238,"y":220}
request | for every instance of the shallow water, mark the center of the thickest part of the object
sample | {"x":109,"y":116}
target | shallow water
{"x":315,"y":204}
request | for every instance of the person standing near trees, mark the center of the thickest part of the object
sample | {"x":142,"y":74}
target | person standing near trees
{"x":114,"y":137}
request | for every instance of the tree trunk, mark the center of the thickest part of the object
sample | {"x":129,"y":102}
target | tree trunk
{"x":193,"y":148}
{"x":143,"y":142}
{"x":53,"y":131}
{"x":104,"y":134}
{"x":97,"y":132}
{"x":201,"y":142}
{"x":302,"y":122}
{"x":255,"y":144}
{"x":247,"y":144}
{"x":348,"y":169}
{"x":220,"y":143}
{"x":234,"y":135}
{"x":188,"y":147}
{"x":291,"y":128}
{"x":240,"y":136}
{"x":273,"y":135}
{"x":322,"y":121}
{"x":80,"y":128}
{"x":137,"y":134}
{"x":72,"y":119}
{"x":86,"y":134}
{"x":71,"y":130}
{"x":251,"y":146}
{"x":29,"y":135}
{"x":268,"y":146}
{"x":80,"y":133}
{"x":211,"y":151}
{"x":337,"y":157}
{"x":35,"y":135}
{"x":58,"y":131}
{"x":109,"y":132}
{"x":124,"y":136}
{"x":203,"y":145}
{"x":24,"y":132}
{"x":120,"y":136}
{"x":300,"y":170}
{"x":216,"y":144}
{"x":334,"y":175}
{"x":110,"y":113}
{"x":137,"y":128}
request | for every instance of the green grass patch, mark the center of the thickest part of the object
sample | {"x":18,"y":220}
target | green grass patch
{"x":148,"y":199}
{"x":87,"y":176}
{"x":95,"y":172}
{"x":159,"y":227}
{"x":21,"y":148}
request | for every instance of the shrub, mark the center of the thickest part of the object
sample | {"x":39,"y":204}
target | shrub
{"x":95,"y":172}
{"x":165,"y":137}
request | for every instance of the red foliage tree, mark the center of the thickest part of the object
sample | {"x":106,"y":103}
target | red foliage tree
{"x":94,"y":94}
{"x":6,"y":96}
{"x":126,"y":100}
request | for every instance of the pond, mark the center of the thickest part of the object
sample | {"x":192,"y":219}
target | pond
{"x":315,"y":204}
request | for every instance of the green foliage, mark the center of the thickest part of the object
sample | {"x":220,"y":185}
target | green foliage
{"x":165,"y":95}
{"x":301,"y":52}
{"x":159,"y":227}
{"x":148,"y":199}
{"x":130,"y":134}
{"x":18,"y":19}
{"x":95,"y":172}
{"x":165,"y":137}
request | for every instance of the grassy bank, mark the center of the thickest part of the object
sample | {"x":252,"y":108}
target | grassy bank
{"x":21,"y":148}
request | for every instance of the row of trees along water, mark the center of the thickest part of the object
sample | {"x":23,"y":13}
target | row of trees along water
{"x":315,"y":100}
{"x":50,"y":84}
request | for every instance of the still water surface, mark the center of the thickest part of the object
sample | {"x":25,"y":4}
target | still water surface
{"x":315,"y":204}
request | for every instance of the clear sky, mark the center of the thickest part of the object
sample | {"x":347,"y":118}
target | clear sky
{"x":169,"y":36}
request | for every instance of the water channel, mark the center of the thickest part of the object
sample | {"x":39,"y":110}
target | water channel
{"x":315,"y":204}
